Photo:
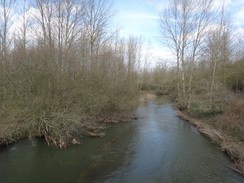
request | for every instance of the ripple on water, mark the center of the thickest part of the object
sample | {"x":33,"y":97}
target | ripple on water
{"x":157,"y":148}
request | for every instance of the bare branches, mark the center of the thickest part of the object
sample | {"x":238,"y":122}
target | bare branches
{"x":182,"y":25}
{"x":6,"y":8}
{"x":97,"y":22}
{"x":72,"y":73}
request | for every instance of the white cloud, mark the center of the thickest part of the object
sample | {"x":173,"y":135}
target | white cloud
{"x":217,"y":5}
{"x":17,"y":26}
{"x":162,"y":54}
{"x":240,"y":14}
{"x":237,"y":2}
{"x":137,"y":33}
{"x":152,"y":56}
{"x":239,"y":17}
{"x":239,"y":33}
{"x":32,"y":13}
{"x":141,"y":16}
{"x":160,"y":7}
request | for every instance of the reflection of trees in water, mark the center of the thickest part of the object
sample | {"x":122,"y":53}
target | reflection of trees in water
{"x":104,"y":161}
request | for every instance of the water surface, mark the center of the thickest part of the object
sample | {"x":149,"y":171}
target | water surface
{"x":158,"y":147}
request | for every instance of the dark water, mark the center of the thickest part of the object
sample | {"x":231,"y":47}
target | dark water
{"x":159,"y":148}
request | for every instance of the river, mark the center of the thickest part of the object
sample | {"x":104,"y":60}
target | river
{"x":158,"y":147}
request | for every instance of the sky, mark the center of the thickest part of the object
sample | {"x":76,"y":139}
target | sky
{"x":140,"y":18}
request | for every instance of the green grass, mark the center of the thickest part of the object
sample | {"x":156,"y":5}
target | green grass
{"x":238,"y":134}
{"x":203,"y":110}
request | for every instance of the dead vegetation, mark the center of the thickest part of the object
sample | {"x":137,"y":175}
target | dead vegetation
{"x":233,"y":146}
{"x":232,"y":120}
{"x":56,"y":84}
{"x":97,"y":129}
{"x":144,"y":96}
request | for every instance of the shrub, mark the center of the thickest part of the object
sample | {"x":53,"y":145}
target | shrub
{"x":233,"y":117}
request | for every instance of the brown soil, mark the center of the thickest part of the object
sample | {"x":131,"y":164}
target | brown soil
{"x":146,"y":96}
{"x":93,"y":134}
{"x":233,"y":147}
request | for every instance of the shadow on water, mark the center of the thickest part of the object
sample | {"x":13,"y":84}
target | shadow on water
{"x":157,"y":148}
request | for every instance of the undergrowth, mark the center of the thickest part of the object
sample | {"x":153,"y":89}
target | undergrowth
{"x":232,"y":120}
{"x":35,"y":102}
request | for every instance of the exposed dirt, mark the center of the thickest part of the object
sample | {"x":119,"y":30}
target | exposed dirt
{"x":146,"y":96}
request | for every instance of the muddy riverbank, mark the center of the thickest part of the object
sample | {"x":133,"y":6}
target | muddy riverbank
{"x":233,"y":147}
{"x":157,"y":147}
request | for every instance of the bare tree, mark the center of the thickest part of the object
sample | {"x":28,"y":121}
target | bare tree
{"x":201,"y":20}
{"x":97,"y":25}
{"x":66,"y":29}
{"x":182,"y":25}
{"x":6,"y":7}
{"x":218,"y":51}
{"x":132,"y":54}
{"x":45,"y":20}
{"x":170,"y":31}
{"x":20,"y":38}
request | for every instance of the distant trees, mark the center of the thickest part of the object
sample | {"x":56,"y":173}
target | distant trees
{"x":188,"y":28}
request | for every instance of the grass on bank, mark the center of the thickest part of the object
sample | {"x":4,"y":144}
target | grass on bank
{"x":228,"y":115}
{"x":224,"y":126}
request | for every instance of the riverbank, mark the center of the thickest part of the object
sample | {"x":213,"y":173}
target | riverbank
{"x":144,"y":96}
{"x":64,"y":133}
{"x":159,"y":147}
{"x":231,"y":145}
{"x":60,"y":120}
{"x":64,"y":127}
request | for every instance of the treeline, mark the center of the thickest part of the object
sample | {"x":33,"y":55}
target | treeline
{"x":206,"y":79}
{"x":208,"y":53}
{"x":61,"y":68}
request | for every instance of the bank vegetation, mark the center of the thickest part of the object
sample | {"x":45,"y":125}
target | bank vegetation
{"x":63,"y":67}
{"x":206,"y":78}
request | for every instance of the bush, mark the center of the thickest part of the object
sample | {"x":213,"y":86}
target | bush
{"x":38,"y":99}
{"x":232,"y":118}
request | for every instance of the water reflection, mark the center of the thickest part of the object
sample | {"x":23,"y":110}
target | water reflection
{"x":157,"y":148}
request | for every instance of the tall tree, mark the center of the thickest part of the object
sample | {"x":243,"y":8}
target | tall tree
{"x":97,"y":25}
{"x":182,"y":25}
{"x":6,"y":8}
{"x":66,"y":29}
{"x":218,"y":51}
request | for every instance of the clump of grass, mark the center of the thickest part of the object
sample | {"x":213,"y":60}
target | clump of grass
{"x":203,"y":110}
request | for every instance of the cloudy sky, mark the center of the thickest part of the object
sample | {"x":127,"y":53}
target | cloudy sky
{"x":140,"y":18}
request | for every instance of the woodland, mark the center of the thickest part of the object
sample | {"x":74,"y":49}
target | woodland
{"x":65,"y":67}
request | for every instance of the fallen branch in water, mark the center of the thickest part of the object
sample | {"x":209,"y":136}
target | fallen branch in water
{"x":96,"y":127}
{"x":96,"y":134}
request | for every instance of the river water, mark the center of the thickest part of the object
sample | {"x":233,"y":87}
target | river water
{"x":157,"y":148}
